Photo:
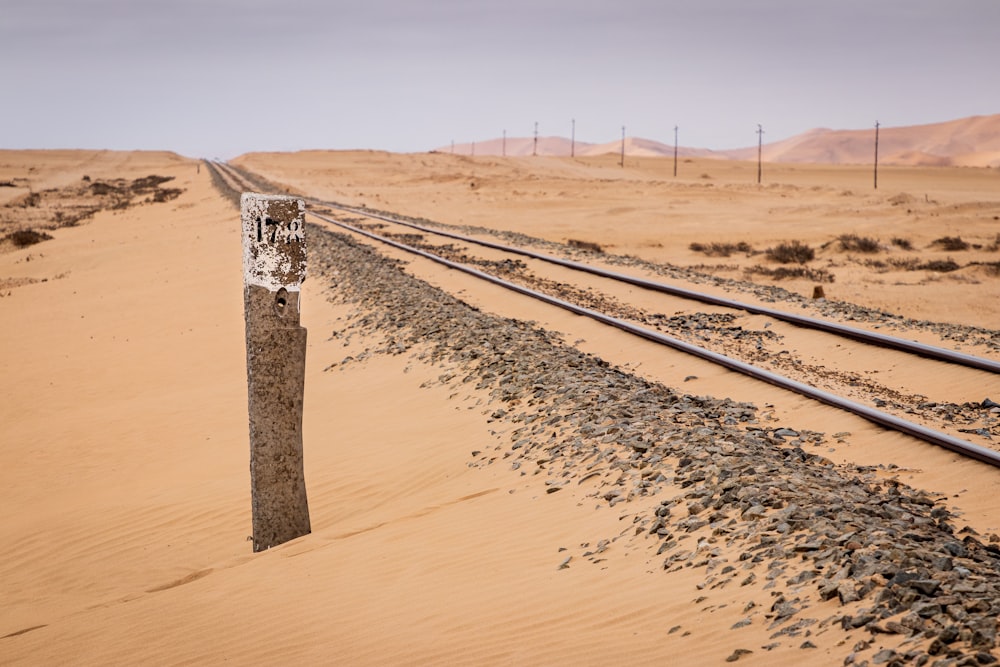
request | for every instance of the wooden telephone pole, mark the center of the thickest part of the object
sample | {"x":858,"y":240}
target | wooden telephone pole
{"x":675,"y":151}
{"x":876,"y":155}
{"x":623,"y":147}
{"x":760,"y":144}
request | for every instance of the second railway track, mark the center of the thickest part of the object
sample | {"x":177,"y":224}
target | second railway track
{"x":707,"y":335}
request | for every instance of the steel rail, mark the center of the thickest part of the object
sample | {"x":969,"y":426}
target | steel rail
{"x":226,"y":173}
{"x":931,"y":436}
{"x":882,"y":340}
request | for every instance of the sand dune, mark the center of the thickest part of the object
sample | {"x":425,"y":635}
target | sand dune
{"x":966,"y":142}
{"x":563,"y":147}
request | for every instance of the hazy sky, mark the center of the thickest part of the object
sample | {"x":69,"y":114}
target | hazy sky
{"x":222,"y":77}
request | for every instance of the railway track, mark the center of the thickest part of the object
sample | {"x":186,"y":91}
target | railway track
{"x":595,"y":304}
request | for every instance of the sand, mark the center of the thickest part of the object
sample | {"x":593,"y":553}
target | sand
{"x":642,"y":210}
{"x":124,"y":464}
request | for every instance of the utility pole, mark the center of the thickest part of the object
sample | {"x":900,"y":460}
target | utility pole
{"x":505,"y":143}
{"x":572,"y":140}
{"x":452,"y":146}
{"x":534,"y":150}
{"x":876,"y":155}
{"x":675,"y":151}
{"x":473,"y":151}
{"x":760,"y":143}
{"x":623,"y":147}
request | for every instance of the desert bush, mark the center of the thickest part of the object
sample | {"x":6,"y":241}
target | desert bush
{"x":940,"y":265}
{"x":951,"y":243}
{"x":26,"y":237}
{"x":993,"y":247}
{"x":855,"y":243}
{"x":913,"y":264}
{"x":585,"y":245}
{"x":166,"y":194}
{"x":783,"y":272}
{"x":908,"y":264}
{"x":902,"y":243}
{"x":721,"y":249}
{"x":146,"y":183}
{"x":794,"y":251}
{"x":101,"y":188}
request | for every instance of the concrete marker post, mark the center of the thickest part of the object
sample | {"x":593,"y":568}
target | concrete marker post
{"x":274,"y":267}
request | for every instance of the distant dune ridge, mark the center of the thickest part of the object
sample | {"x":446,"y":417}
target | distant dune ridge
{"x":966,"y":142}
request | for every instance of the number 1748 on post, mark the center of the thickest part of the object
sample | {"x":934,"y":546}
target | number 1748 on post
{"x":270,"y":230}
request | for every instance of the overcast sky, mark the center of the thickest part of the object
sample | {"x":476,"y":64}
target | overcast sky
{"x":212,"y":78}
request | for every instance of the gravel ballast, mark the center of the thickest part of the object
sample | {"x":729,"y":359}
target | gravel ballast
{"x":705,"y":483}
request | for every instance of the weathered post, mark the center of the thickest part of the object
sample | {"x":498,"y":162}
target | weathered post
{"x":274,"y":266}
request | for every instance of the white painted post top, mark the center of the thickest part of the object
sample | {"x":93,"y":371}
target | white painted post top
{"x":274,"y":248}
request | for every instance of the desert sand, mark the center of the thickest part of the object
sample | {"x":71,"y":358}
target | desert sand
{"x":124,"y":465}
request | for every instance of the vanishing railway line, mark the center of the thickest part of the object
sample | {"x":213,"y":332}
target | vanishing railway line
{"x":694,"y":333}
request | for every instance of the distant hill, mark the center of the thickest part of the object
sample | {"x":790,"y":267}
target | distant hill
{"x":968,"y":142}
{"x":563,"y":147}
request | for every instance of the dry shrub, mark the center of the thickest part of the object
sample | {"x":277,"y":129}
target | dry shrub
{"x":951,"y":243}
{"x":902,"y":243}
{"x":148,"y":183}
{"x":26,"y":237}
{"x":585,"y":245}
{"x":103,"y":188}
{"x":914,"y":264}
{"x":792,"y":252}
{"x":782,"y":272}
{"x":940,"y":265}
{"x":855,"y":243}
{"x":721,"y":249}
{"x":166,"y":194}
